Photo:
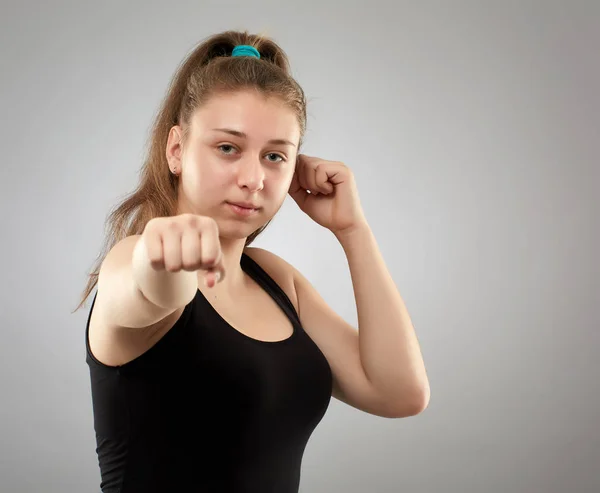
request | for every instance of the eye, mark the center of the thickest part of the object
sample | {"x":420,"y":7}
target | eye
{"x":272,"y":154}
{"x":226,"y":149}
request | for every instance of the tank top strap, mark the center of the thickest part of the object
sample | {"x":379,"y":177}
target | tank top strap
{"x":257,"y":273}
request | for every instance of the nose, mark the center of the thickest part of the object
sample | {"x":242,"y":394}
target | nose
{"x":251,"y":174}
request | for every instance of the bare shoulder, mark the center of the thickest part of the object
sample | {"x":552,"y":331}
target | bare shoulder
{"x":280,"y":270}
{"x":123,"y":323}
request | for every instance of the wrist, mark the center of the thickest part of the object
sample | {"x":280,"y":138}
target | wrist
{"x":352,"y":232}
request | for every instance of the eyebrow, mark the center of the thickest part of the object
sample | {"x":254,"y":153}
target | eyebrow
{"x":242,"y":135}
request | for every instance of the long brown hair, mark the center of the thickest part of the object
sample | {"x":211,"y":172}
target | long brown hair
{"x":207,"y":70}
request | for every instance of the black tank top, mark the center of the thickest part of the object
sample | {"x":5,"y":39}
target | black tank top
{"x":209,"y":409}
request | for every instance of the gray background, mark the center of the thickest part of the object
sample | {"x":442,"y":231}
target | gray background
{"x":473,"y":129}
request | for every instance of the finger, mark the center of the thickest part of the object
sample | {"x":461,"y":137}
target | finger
{"x":211,"y":278}
{"x":171,"y":241}
{"x":154,"y":250}
{"x":310,"y":175}
{"x":212,"y":257}
{"x":297,"y":192}
{"x":301,"y":174}
{"x":322,"y":180}
{"x":214,"y":275}
{"x":337,"y":173}
{"x":217,"y":272}
{"x":210,"y":245}
{"x":191,"y":250}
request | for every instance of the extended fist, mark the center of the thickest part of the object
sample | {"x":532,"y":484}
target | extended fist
{"x":185,"y":242}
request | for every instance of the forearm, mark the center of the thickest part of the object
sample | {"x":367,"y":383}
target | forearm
{"x":389,"y":349}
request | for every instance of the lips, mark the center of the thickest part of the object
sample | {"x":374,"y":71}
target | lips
{"x":245,"y":205}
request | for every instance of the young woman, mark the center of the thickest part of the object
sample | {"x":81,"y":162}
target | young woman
{"x":212,"y":362}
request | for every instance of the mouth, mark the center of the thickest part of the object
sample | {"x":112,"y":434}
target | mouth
{"x":243,"y":208}
{"x":245,"y":205}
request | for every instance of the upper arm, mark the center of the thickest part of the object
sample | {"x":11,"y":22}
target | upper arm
{"x":119,"y":302}
{"x":337,"y":340}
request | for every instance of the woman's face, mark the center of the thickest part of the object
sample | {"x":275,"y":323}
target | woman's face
{"x":241,"y":149}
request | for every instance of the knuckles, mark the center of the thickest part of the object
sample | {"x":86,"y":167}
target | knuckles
{"x":178,"y":224}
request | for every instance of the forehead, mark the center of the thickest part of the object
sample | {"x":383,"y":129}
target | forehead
{"x":250,"y":112}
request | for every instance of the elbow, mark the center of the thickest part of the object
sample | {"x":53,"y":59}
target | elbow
{"x":421,"y":403}
{"x":413,"y":405}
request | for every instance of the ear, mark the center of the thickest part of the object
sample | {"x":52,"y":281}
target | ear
{"x":174,"y":147}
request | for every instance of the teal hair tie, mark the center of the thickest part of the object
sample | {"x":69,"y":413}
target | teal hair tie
{"x":245,"y":50}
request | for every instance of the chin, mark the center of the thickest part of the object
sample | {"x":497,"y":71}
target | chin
{"x":239,"y":231}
